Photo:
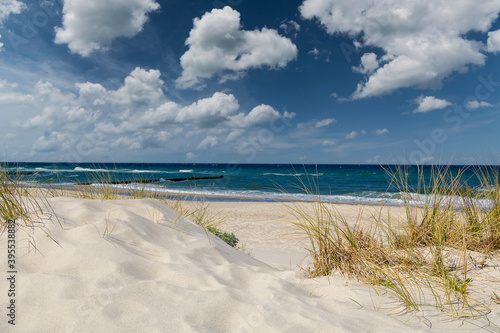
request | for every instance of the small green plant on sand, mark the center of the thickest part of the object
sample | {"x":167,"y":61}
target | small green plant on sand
{"x":229,"y":238}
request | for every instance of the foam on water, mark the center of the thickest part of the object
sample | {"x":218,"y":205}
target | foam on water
{"x":150,"y":171}
{"x":78,"y":169}
{"x":394,"y":199}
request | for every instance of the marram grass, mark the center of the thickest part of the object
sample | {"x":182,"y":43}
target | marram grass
{"x":17,"y":203}
{"x":96,"y":188}
{"x":23,"y":203}
{"x":25,"y":206}
{"x":435,"y":257}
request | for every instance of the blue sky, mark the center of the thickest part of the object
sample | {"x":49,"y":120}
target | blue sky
{"x":306,"y":81}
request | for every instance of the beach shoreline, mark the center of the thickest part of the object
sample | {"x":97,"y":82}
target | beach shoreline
{"x":334,"y":183}
{"x":187,"y":196}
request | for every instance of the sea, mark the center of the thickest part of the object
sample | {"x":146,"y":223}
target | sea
{"x":338,"y":183}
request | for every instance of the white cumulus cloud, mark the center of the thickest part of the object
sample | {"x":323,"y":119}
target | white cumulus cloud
{"x":90,"y":25}
{"x":354,"y":134}
{"x":381,"y":131}
{"x":260,"y":114}
{"x":290,"y":27}
{"x":424,"y":40}
{"x":136,"y":115}
{"x":329,"y":143}
{"x":369,"y":63}
{"x":429,"y":103}
{"x":8,"y":7}
{"x":478,"y":104}
{"x":59,"y":110}
{"x":53,"y":142}
{"x":219,"y":46}
{"x":190,"y":156}
{"x":9,"y":95}
{"x":374,"y":159}
{"x":209,"y":112}
{"x":141,"y":88}
{"x":314,"y":52}
{"x":494,"y":41}
{"x":317,"y":123}
{"x":325,"y":122}
{"x":208,"y":142}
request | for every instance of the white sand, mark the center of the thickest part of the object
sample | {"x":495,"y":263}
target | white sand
{"x":153,"y":275}
{"x":263,"y":227}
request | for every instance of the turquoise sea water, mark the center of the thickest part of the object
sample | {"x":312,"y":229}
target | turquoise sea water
{"x":335,"y":183}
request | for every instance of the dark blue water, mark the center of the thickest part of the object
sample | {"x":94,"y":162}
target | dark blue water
{"x":336,"y":183}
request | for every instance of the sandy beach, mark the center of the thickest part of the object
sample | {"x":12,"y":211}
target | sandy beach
{"x":135,"y":266}
{"x":249,"y":166}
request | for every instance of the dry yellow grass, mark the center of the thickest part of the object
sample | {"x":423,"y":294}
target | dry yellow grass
{"x":432,"y":258}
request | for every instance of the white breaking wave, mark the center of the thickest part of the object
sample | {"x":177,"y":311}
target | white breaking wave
{"x":261,"y":195}
{"x":150,"y":171}
{"x":453,"y":201}
{"x":78,"y":169}
{"x":50,"y":170}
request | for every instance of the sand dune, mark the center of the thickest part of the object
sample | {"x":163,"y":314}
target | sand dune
{"x":157,"y":273}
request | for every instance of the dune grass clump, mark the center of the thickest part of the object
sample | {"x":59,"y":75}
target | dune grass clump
{"x":453,"y":214}
{"x":200,"y":214}
{"x":434,"y":256}
{"x":103,"y":184}
{"x":97,"y":186}
{"x":16,"y":201}
{"x":24,"y":208}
